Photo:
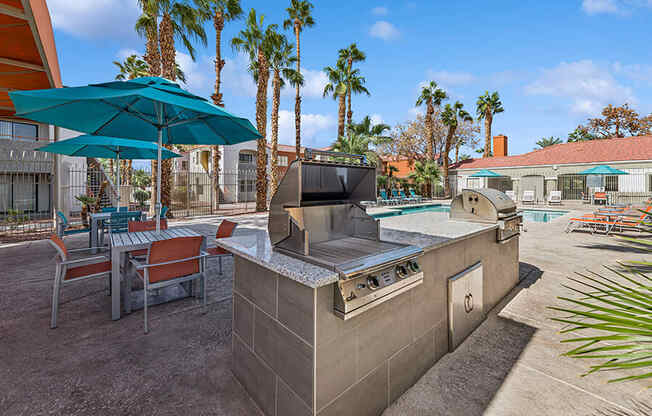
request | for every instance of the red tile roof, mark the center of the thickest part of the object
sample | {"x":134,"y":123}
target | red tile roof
{"x":593,"y":151}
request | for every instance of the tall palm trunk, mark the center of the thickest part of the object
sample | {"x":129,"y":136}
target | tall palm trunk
{"x":447,"y":149}
{"x":152,"y":54}
{"x":218,"y":23}
{"x":341,"y":115}
{"x":488,"y":119}
{"x":349,"y":111}
{"x":430,"y":143}
{"x":168,"y":69}
{"x":276,"y":100}
{"x":297,"y":99}
{"x":261,"y":123}
{"x":457,"y":153}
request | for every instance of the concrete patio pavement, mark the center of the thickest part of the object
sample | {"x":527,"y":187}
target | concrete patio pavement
{"x":91,"y":365}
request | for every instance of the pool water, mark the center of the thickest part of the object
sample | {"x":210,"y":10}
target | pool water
{"x":529,"y":215}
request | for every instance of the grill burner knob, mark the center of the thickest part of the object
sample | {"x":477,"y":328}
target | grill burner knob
{"x":413,"y":266}
{"x":401,"y":271}
{"x":372,"y":282}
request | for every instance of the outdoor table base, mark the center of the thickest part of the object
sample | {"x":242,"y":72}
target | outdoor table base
{"x":158,"y":296}
{"x":121,"y":244}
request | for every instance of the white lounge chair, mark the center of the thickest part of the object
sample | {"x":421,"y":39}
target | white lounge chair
{"x":554,"y":198}
{"x":528,"y":197}
{"x":511,"y":195}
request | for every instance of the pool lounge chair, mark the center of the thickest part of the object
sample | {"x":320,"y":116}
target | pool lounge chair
{"x":397,"y":197}
{"x":385,"y":200}
{"x":596,"y":222}
{"x":554,"y":198}
{"x":600,"y":197}
{"x":416,"y":196}
{"x":511,"y":195}
{"x":405,"y":197}
{"x":528,"y":197}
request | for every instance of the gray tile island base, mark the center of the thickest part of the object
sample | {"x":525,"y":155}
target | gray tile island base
{"x":294,"y":356}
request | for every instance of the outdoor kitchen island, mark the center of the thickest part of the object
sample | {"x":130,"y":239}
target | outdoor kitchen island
{"x":296,"y":356}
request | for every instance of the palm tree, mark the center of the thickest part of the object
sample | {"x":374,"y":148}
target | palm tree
{"x":257,"y":41}
{"x":350,"y":55}
{"x":451,"y":117}
{"x":222,"y":11}
{"x":354,"y":84}
{"x":337,"y":87}
{"x":548,"y":141}
{"x":178,"y":20}
{"x":432,"y":97}
{"x":132,"y":67}
{"x":359,"y":144}
{"x":365,"y":127}
{"x":424,"y":173}
{"x":487,"y":106}
{"x":299,"y":17}
{"x":281,"y":61}
{"x":147,"y":26}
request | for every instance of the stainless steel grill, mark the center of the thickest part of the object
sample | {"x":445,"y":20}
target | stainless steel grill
{"x":489,"y":206}
{"x":316,"y":215}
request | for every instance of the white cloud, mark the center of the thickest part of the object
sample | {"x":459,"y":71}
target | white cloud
{"x":451,"y":79}
{"x":384,"y":30}
{"x":600,"y":6}
{"x":380,"y":11}
{"x":95,"y":18}
{"x":312,"y":126}
{"x":376,"y":119}
{"x":313,"y":84}
{"x":125,"y":53}
{"x":415,"y":111}
{"x":589,"y":86}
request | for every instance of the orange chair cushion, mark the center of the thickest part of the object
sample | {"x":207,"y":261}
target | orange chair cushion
{"x":56,"y":240}
{"x":225,"y":229}
{"x":86,"y":270}
{"x":138,"y":253}
{"x":136,"y":226}
{"x":174,"y":249}
{"x":216,"y":251}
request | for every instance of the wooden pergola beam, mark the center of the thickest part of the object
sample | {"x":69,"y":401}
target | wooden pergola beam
{"x":21,"y":64}
{"x":12,"y":11}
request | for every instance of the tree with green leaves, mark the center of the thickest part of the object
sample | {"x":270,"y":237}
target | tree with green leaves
{"x":580,"y":134}
{"x":147,"y":27}
{"x":281,"y":61}
{"x":256,"y":41}
{"x":350,"y":55}
{"x":432,"y":97}
{"x":452,"y":116}
{"x":337,"y":87}
{"x":132,"y":67}
{"x":360,"y":144}
{"x":548,"y":141}
{"x":487,"y":106}
{"x":299,"y":17}
{"x":365,"y":127}
{"x":424,"y":174}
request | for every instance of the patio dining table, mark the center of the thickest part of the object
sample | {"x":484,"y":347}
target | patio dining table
{"x":96,"y":219}
{"x":122,"y":243}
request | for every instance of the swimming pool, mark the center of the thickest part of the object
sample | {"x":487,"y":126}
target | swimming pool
{"x":529,"y":215}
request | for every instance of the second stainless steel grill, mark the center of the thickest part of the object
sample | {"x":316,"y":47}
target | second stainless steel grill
{"x":316,"y":215}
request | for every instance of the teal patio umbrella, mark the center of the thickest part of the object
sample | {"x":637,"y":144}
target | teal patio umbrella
{"x":148,"y":108}
{"x":485,"y":173}
{"x":605,"y":170}
{"x":108,"y":148}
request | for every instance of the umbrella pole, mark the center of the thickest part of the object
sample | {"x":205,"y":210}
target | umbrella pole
{"x":158,"y":181}
{"x":117,"y":176}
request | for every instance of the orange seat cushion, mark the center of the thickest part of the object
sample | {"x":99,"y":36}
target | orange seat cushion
{"x":216,"y":251}
{"x":138,"y":253}
{"x":81,"y":271}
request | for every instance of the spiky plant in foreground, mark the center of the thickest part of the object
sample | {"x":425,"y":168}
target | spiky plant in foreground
{"x":616,"y":308}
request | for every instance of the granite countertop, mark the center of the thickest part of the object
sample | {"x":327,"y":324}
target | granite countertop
{"x":424,"y":230}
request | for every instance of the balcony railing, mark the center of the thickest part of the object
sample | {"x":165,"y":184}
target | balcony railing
{"x":29,"y":139}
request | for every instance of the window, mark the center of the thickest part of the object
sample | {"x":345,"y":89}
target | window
{"x":611,"y":183}
{"x":184,"y":165}
{"x":282,"y":160}
{"x":18,"y":131}
{"x":246,"y":158}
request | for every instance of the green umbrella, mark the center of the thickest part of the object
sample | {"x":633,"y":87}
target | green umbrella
{"x":108,"y":148}
{"x":148,"y":108}
{"x":485,"y":173}
{"x":603,"y":170}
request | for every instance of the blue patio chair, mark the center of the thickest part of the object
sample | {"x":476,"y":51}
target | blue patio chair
{"x":119,"y":222}
{"x":416,"y":196}
{"x":64,"y":227}
{"x":384,"y":199}
{"x":396,"y":196}
{"x":114,"y":209}
{"x":405,"y":197}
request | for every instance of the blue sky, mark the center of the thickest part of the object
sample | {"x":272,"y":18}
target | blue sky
{"x":554,"y":62}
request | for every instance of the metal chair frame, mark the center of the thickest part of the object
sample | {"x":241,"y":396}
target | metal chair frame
{"x":62,"y":264}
